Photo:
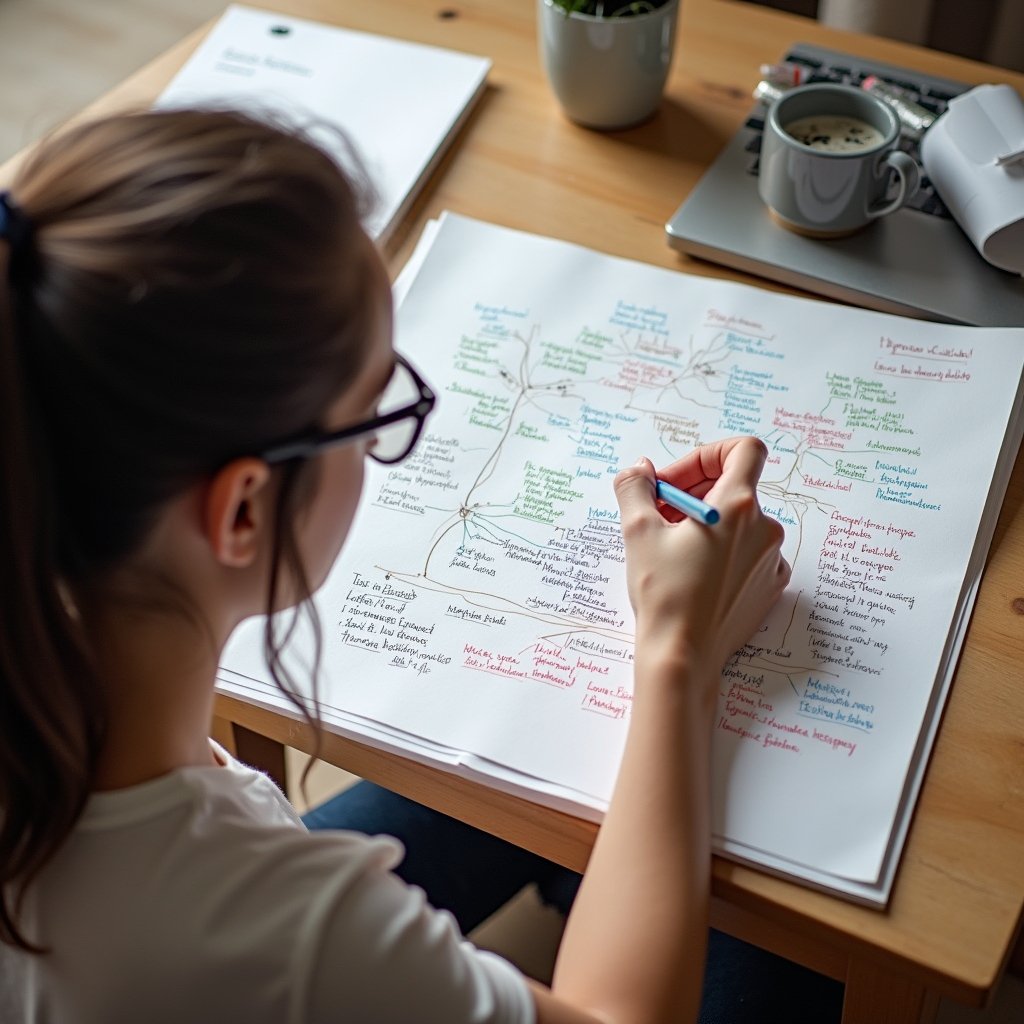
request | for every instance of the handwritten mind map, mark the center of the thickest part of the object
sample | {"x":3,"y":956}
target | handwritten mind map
{"x":480,"y":602}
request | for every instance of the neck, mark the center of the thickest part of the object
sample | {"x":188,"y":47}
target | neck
{"x":159,"y":667}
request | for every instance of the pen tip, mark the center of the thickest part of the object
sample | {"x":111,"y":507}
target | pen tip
{"x":712,"y":516}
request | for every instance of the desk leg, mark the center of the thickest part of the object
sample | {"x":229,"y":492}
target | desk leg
{"x":253,"y":749}
{"x":223,"y":731}
{"x":877,"y":996}
{"x":1017,"y":956}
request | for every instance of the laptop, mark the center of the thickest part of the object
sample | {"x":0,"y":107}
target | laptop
{"x":915,"y":262}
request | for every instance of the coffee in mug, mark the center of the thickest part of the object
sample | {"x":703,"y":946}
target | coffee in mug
{"x":835,"y":133}
{"x":828,"y":156}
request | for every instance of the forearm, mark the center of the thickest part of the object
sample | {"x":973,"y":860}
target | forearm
{"x":633,"y":949}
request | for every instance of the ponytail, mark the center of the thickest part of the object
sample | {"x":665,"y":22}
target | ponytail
{"x":51,"y":718}
{"x":177,"y":289}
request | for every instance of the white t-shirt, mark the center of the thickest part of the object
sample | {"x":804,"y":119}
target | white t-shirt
{"x":200,"y":896}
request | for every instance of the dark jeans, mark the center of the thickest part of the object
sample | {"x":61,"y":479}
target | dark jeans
{"x":472,"y":874}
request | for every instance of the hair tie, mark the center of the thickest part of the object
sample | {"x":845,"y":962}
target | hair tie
{"x":16,"y":230}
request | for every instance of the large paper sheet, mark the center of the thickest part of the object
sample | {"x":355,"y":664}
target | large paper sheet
{"x":480,"y":605}
{"x":399,"y":103}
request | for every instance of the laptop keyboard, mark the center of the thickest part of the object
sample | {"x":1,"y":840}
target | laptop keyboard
{"x":848,"y":70}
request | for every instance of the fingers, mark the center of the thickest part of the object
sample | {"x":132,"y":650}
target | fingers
{"x":634,"y":491}
{"x":777,"y":579}
{"x":783,"y":574}
{"x":724,"y":473}
{"x":772,"y":535}
{"x":739,"y":459}
{"x":742,"y":464}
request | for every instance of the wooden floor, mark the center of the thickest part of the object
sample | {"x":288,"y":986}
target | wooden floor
{"x":56,"y":56}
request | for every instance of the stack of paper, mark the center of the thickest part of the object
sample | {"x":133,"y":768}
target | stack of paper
{"x":478,"y":618}
{"x":400,"y":104}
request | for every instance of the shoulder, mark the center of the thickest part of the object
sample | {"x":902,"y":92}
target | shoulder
{"x":384,"y":953}
{"x":326,"y":911}
{"x":198,"y":889}
{"x":242,"y":831}
{"x":372,"y":944}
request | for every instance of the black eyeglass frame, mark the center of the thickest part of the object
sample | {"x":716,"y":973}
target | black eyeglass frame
{"x":307,"y":445}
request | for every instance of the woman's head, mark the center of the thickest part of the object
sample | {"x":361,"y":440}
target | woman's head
{"x":198,"y":288}
{"x":195,"y":288}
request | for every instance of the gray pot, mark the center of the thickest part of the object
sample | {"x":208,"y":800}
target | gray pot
{"x":607,"y":72}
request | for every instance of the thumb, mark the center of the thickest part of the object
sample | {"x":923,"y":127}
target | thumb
{"x":635,"y":489}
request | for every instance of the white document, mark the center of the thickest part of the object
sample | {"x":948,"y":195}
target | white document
{"x":478,"y":616}
{"x":399,"y":103}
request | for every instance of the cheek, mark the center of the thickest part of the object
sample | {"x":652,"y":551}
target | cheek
{"x":348,"y":490}
{"x":334,"y":508}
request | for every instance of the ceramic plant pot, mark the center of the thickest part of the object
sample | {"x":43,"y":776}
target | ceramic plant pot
{"x":607,"y":72}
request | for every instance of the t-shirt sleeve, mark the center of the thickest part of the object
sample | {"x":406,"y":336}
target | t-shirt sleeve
{"x":376,"y":950}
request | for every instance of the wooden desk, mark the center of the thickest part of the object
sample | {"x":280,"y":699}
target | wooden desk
{"x":958,"y":899}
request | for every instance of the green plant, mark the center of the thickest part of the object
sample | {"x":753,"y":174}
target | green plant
{"x":609,"y":8}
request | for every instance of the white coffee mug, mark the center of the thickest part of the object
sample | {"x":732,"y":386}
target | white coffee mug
{"x":831,"y":193}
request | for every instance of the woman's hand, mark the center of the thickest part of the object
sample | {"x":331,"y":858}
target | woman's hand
{"x":634,"y":945}
{"x":699,"y":592}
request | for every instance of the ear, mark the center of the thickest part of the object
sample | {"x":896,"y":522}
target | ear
{"x":236,"y":511}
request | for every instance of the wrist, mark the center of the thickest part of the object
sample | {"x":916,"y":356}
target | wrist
{"x":676,"y":674}
{"x":674,"y":642}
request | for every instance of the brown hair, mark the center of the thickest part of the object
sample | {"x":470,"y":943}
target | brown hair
{"x":195,"y":287}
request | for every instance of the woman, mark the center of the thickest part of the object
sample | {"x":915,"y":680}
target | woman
{"x":196,"y":341}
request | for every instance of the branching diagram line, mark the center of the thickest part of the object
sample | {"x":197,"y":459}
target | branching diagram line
{"x":492,"y":523}
{"x":471,"y":516}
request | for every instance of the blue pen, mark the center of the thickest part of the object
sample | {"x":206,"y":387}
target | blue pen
{"x":693,"y":507}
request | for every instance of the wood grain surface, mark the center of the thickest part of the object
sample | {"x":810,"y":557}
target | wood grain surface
{"x":959,"y":893}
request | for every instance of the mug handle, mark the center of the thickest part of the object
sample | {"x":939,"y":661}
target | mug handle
{"x":910,"y":178}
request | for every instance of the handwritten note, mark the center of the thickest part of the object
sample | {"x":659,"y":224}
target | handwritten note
{"x":479,"y":606}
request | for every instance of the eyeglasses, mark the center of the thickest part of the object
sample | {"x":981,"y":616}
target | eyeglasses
{"x":403,"y":409}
